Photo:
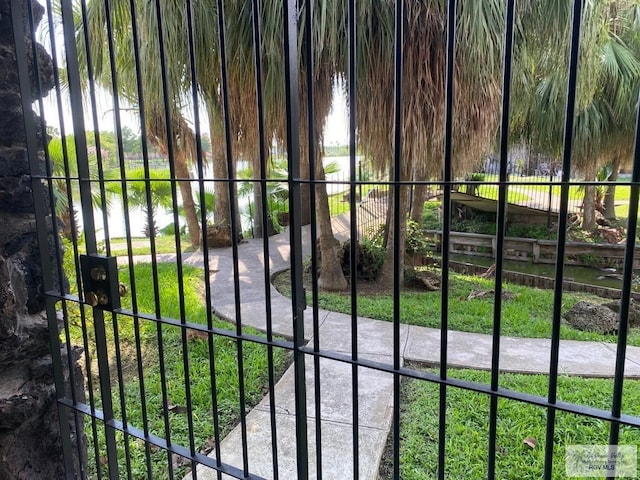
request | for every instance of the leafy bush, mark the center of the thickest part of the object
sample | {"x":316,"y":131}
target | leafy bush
{"x":538,"y":232}
{"x":432,"y":216}
{"x":417,"y":242}
{"x":371,"y":255}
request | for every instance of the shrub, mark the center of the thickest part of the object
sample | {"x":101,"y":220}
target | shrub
{"x":370,"y":257}
{"x":417,"y":242}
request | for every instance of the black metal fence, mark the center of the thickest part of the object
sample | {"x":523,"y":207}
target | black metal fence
{"x":371,"y":200}
{"x":166,"y":383}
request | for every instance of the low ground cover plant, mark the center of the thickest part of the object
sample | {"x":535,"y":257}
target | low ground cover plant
{"x":526,"y":311}
{"x":520,"y":427}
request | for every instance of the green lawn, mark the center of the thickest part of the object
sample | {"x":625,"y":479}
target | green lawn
{"x":197,"y":350}
{"x":468,"y":429}
{"x":575,"y":192}
{"x":142,"y":245}
{"x":491,"y":192}
{"x":527,"y":314}
{"x":338,"y":205}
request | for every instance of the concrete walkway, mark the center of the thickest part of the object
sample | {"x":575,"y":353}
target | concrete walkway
{"x":375,"y":396}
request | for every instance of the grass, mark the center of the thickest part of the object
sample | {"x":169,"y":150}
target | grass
{"x":338,"y":205}
{"x":467,"y":429}
{"x":491,"y":192}
{"x":527,"y":314}
{"x":128,"y":395}
{"x":575,"y":193}
{"x":142,"y":246}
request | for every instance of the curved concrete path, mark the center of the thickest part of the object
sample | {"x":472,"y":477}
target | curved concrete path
{"x":375,"y":395}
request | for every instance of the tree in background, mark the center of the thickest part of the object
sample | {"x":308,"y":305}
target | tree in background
{"x":159,"y":184}
{"x":607,"y":90}
{"x":159,"y":104}
{"x":477,"y":74}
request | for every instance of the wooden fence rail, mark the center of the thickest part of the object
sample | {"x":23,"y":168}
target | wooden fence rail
{"x":532,"y":250}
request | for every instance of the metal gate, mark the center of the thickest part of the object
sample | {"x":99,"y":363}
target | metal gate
{"x":171,"y":390}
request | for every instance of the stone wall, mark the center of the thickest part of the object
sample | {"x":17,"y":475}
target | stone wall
{"x":30,"y":438}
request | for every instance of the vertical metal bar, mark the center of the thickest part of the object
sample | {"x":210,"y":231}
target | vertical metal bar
{"x":152,"y":244}
{"x":627,"y":283}
{"x":193,"y":74}
{"x":92,"y":101}
{"x":96,"y":130}
{"x":352,"y":74}
{"x":77,"y":112}
{"x":208,"y":300}
{"x":550,"y":200}
{"x":125,"y":204}
{"x":397,"y":271}
{"x":234,"y":233}
{"x":41,"y":229}
{"x":171,"y":154}
{"x":290,"y":35}
{"x":70,"y":202}
{"x":562,"y":228}
{"x":311,"y":136}
{"x":446,"y":227}
{"x":500,"y":232}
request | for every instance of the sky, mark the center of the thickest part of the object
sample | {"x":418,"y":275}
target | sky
{"x":336,"y":126}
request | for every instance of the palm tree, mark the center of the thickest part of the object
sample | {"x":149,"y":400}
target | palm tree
{"x":160,"y":189}
{"x":424,"y":48}
{"x":62,"y":155}
{"x":152,"y":97}
{"x":243,"y":93}
{"x":606,"y":93}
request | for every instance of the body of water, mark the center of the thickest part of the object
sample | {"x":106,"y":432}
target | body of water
{"x":588,"y":275}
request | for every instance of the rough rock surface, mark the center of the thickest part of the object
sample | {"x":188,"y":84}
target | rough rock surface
{"x":592,"y":318}
{"x":30,"y":429}
{"x":634,"y":311}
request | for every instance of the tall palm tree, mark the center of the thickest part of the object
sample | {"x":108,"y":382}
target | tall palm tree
{"x":243,"y":93}
{"x":174,"y":138}
{"x":160,"y":189}
{"x":609,"y":73}
{"x":625,"y":26}
{"x":424,"y":48}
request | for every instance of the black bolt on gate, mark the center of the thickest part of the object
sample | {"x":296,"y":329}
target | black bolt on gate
{"x":143,"y":414}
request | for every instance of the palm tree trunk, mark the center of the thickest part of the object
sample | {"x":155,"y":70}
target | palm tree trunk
{"x":331,"y":276}
{"x":609,"y":198}
{"x":589,"y":203}
{"x":193,"y":225}
{"x":420,"y":194}
{"x":258,"y":231}
{"x":235,"y":201}
{"x":391,"y":264}
{"x":222,"y":208}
